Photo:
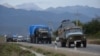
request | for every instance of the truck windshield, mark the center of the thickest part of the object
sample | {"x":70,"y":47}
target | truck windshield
{"x":74,"y":30}
{"x":43,"y":29}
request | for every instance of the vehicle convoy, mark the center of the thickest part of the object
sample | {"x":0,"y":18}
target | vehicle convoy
{"x":40,"y":34}
{"x":16,"y":38}
{"x":69,"y":34}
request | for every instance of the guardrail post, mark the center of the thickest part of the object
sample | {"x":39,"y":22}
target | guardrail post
{"x":55,"y":45}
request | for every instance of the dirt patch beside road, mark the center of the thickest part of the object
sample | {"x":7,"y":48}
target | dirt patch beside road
{"x":94,"y":41}
{"x":2,"y":39}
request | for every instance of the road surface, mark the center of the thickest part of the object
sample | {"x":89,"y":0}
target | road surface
{"x":91,"y":49}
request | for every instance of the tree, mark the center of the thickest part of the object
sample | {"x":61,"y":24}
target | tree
{"x":93,"y":26}
{"x":55,"y":33}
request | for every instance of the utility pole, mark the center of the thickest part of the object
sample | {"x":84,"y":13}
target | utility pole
{"x":97,"y":16}
{"x":77,"y":14}
{"x":50,"y":24}
{"x":51,"y":27}
{"x":5,"y":36}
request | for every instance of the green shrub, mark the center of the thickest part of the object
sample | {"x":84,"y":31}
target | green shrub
{"x":97,"y":35}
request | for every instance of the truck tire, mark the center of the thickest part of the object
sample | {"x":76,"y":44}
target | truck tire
{"x":84,"y":44}
{"x":34,"y":39}
{"x":8,"y":40}
{"x":69,"y":44}
{"x":63,"y":44}
{"x":78,"y":44}
{"x":31,"y":40}
{"x":49,"y":41}
{"x":42,"y":42}
{"x":37,"y":40}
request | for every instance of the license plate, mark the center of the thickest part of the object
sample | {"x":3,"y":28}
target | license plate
{"x":44,"y":37}
{"x":78,"y":40}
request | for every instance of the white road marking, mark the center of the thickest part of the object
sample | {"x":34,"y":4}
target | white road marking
{"x":37,"y":54}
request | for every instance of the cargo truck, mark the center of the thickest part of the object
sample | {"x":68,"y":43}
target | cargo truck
{"x":40,"y":34}
{"x":69,"y":34}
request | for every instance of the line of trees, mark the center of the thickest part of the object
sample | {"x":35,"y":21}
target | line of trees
{"x":93,"y":27}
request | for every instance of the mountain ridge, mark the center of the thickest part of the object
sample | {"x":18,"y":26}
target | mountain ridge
{"x":28,"y":6}
{"x":86,"y":10}
{"x":17,"y":21}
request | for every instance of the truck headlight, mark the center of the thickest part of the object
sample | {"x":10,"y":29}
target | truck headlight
{"x":84,"y":37}
{"x":70,"y":38}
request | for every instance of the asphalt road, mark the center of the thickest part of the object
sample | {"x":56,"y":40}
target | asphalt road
{"x":90,"y":49}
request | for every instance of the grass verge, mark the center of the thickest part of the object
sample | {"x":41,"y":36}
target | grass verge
{"x":9,"y":49}
{"x":2,"y":39}
{"x":44,"y":52}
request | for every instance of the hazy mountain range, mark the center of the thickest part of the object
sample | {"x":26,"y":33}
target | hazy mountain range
{"x":28,"y":6}
{"x":85,"y":10}
{"x":16,"y":20}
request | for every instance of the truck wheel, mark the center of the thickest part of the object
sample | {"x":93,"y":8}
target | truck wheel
{"x":7,"y":40}
{"x":50,"y":41}
{"x":63,"y":44}
{"x":31,"y":40}
{"x":37,"y":40}
{"x":69,"y":44}
{"x":84,"y":44}
{"x":78,"y":44}
{"x":34,"y":39}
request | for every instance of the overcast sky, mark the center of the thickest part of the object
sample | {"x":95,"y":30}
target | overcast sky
{"x":54,"y":3}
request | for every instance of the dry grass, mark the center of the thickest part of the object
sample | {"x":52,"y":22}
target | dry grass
{"x":13,"y":50}
{"x":94,"y":41}
{"x":45,"y":52}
